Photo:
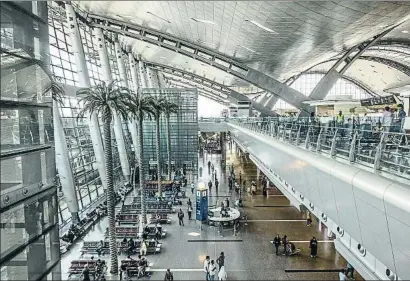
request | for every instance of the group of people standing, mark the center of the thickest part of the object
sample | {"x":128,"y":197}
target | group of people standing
{"x":211,"y":270}
{"x":289,"y":247}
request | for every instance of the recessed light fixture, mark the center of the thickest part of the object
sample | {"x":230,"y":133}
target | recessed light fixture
{"x":261,"y":26}
{"x":246,"y":48}
{"x":202,"y":21}
{"x":158,"y":17}
{"x":405,"y":31}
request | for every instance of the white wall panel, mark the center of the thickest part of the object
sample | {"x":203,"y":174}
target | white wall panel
{"x":339,"y":190}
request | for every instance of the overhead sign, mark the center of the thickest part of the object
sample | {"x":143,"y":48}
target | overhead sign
{"x":378,"y":101}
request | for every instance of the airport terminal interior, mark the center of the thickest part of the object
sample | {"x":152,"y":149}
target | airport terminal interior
{"x":205,"y":140}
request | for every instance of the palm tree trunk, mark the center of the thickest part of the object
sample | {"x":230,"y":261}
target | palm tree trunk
{"x":141,"y":167}
{"x":168,"y":145}
{"x":157,"y":148}
{"x":110,"y":197}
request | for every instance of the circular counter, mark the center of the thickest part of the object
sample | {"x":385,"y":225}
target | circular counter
{"x":217,"y":218}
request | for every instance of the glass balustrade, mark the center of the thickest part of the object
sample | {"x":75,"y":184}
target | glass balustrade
{"x":366,"y":143}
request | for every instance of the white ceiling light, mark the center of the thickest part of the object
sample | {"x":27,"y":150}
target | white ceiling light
{"x":158,"y":17}
{"x":246,"y":48}
{"x":261,"y":26}
{"x":203,"y":21}
{"x":405,"y":31}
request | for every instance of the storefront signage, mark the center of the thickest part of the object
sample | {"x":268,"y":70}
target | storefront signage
{"x":378,"y":101}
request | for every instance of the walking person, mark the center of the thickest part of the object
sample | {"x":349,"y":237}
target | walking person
{"x":221,"y":260}
{"x":216,"y":184}
{"x":168,"y":275}
{"x":350,"y":269}
{"x":206,"y":267}
{"x":212,"y":168}
{"x":222,"y":274}
{"x":342,"y":275}
{"x":192,"y":187}
{"x":313,"y":247}
{"x":212,"y":270}
{"x":215,"y":174}
{"x":85,"y":275}
{"x":189,"y":212}
{"x":284,"y":242}
{"x":189,"y":202}
{"x":181,"y":217}
{"x":308,"y":219}
{"x":276,"y":243}
{"x":210,"y":185}
{"x":209,"y":167}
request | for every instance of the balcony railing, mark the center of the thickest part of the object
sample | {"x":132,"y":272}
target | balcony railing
{"x":381,"y":148}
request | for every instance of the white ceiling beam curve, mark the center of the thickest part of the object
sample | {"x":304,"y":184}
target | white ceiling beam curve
{"x":342,"y":64}
{"x":197,"y":85}
{"x":204,"y":55}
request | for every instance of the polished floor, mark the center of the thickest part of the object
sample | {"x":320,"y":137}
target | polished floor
{"x":249,"y":254}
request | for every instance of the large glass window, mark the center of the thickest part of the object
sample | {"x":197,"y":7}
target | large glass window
{"x":307,"y":82}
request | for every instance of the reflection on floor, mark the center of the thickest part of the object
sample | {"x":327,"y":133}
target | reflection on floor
{"x":249,"y":255}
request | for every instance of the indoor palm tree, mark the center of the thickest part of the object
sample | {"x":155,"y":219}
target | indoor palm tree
{"x":170,"y":108}
{"x":105,"y":101}
{"x":143,"y":105}
{"x":158,"y":104}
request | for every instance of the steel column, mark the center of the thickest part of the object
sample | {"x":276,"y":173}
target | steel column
{"x":84,"y":81}
{"x":329,"y":80}
{"x":107,"y":77}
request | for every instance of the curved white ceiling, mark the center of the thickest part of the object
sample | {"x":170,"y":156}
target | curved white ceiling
{"x":304,"y":33}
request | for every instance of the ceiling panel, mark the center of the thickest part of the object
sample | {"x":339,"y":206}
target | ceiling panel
{"x":305,"y":32}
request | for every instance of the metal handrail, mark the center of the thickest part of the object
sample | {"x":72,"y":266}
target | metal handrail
{"x":380,"y":148}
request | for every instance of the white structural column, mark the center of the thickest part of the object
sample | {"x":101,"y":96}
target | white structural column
{"x":265,"y":98}
{"x":63,"y":164}
{"x":271,"y":102}
{"x":124,"y":83}
{"x":161,"y":79}
{"x":143,"y":78}
{"x":134,"y":72}
{"x":149,"y":77}
{"x":107,"y":77}
{"x":84,"y":81}
{"x":134,"y":76}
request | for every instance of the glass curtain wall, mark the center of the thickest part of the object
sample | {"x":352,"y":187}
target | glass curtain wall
{"x":81,"y":153}
{"x":307,"y":82}
{"x":183,"y":130}
{"x":29,"y":222}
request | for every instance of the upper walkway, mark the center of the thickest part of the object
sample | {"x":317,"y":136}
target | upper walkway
{"x":355,"y":180}
{"x":367,"y":145}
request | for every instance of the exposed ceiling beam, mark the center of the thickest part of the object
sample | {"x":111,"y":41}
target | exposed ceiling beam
{"x":195,"y":85}
{"x":342,"y":65}
{"x":207,"y":82}
{"x":201,"y":92}
{"x":205,"y":55}
{"x":396,"y":65}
